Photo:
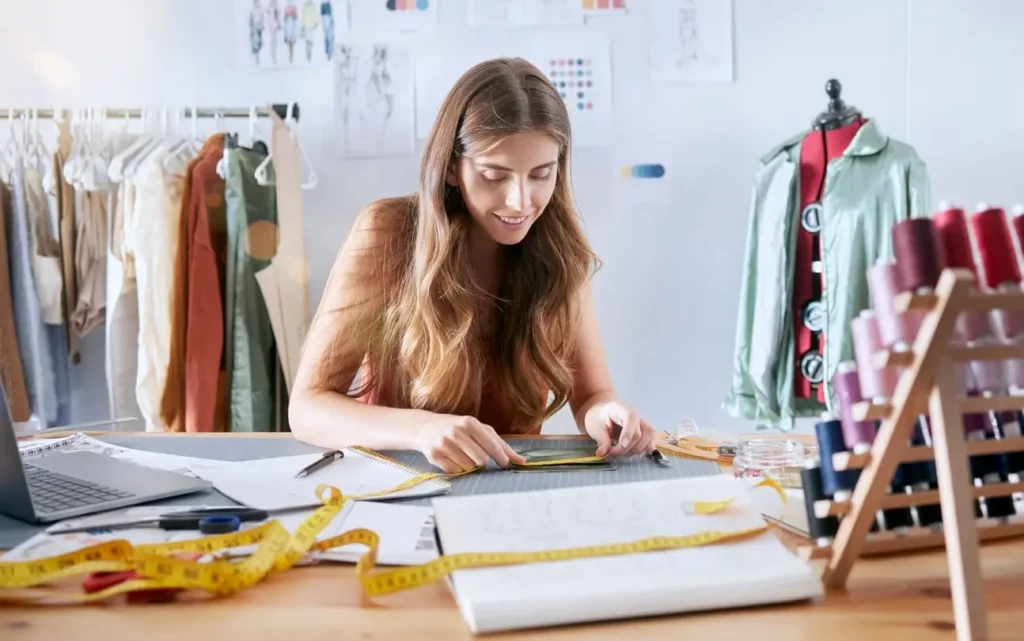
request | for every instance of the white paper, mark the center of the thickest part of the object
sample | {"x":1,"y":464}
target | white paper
{"x":692,"y":41}
{"x":551,"y":12}
{"x":437,"y":73}
{"x":604,"y":7}
{"x":373,"y":99}
{"x":83,"y":443}
{"x":284,"y":34}
{"x":406,"y":533}
{"x":748,"y":572}
{"x":270,"y":484}
{"x":400,"y":15}
{"x":579,"y":65}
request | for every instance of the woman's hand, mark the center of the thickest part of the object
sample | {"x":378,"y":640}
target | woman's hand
{"x":461,"y":443}
{"x":614,"y":420}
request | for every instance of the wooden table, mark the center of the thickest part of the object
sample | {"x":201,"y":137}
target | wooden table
{"x":904,"y":598}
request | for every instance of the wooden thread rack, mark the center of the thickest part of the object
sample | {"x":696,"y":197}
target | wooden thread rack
{"x":927,"y":385}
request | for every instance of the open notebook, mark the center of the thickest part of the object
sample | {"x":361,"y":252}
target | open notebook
{"x":270,"y":483}
{"x":755,"y":571}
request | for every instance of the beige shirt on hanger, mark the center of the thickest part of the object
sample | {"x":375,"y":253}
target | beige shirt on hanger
{"x":46,"y":266}
{"x":151,"y":236}
{"x":285,"y":284}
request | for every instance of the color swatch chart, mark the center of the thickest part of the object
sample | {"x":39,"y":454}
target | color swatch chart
{"x":574,"y":79}
{"x":604,"y":5}
{"x":408,"y":5}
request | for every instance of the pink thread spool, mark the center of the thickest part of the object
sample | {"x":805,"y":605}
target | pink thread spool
{"x":876,"y":384}
{"x":858,"y":435}
{"x":897,"y":331}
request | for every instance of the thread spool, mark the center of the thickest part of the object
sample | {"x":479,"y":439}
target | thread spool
{"x":920,"y":257}
{"x":999,"y":261}
{"x":1018,"y":223}
{"x":994,"y":467}
{"x":822,"y":530}
{"x":897,"y":331}
{"x":1010,"y":428}
{"x":951,"y":226}
{"x":876,"y":384}
{"x":857,"y":435}
{"x":924,"y":477}
{"x":837,"y":484}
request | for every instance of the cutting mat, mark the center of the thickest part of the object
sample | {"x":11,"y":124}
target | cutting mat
{"x":495,"y":480}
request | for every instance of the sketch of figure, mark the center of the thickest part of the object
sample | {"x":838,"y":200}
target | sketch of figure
{"x":256,"y":29}
{"x":346,"y":71}
{"x":691,"y":50}
{"x":379,"y":97}
{"x":310,"y":24}
{"x":291,"y":28}
{"x":327,"y":20}
{"x":272,"y":23}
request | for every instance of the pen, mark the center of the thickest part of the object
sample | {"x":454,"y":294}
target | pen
{"x":328,"y":457}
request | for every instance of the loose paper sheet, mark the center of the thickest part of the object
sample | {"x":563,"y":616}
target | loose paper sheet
{"x":373,"y":99}
{"x":284,"y":34}
{"x":83,"y":443}
{"x":692,"y":41}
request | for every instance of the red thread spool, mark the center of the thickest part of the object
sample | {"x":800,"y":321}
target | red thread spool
{"x":999,"y":260}
{"x":920,"y":257}
{"x":951,"y":225}
{"x":995,"y":248}
{"x":1018,"y":223}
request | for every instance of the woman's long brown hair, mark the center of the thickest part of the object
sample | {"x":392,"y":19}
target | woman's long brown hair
{"x":424,"y":345}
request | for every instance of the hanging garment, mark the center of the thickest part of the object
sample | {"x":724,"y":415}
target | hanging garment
{"x":151,"y":236}
{"x":67,"y":235}
{"x":90,"y":261}
{"x":33,"y":342}
{"x":875,"y":183}
{"x":197,"y":329}
{"x":249,"y":336}
{"x":12,"y":374}
{"x":49,"y":282}
{"x":122,"y":311}
{"x":285,"y":283}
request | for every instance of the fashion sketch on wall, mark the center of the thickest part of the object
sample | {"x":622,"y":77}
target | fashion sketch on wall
{"x":374,"y":105}
{"x":285,"y":34}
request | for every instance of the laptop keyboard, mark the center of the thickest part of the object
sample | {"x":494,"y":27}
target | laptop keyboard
{"x":52,"y":492}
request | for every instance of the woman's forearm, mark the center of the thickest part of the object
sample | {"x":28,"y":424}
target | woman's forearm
{"x":333,"y":421}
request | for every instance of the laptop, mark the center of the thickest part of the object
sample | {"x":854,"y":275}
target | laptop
{"x":70,"y":484}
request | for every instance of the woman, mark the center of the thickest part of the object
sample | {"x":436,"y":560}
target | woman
{"x":467,"y":307}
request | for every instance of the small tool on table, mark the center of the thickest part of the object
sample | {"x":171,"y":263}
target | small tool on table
{"x":659,"y":458}
{"x":326,"y":459}
{"x":206,"y":521}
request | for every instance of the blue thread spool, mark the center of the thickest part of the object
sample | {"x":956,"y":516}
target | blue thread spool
{"x":924,"y":477}
{"x":836,"y":484}
{"x":220,"y":524}
{"x":822,"y":531}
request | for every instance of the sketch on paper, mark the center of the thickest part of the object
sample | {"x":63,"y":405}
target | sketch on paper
{"x":373,"y":88}
{"x":288,"y":33}
{"x":692,"y":41}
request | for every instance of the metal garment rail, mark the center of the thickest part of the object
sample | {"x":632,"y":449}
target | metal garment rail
{"x":135,"y":112}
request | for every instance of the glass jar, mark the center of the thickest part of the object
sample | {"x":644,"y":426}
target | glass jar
{"x":778,"y":459}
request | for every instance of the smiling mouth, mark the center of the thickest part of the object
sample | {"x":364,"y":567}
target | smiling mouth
{"x":513,"y":221}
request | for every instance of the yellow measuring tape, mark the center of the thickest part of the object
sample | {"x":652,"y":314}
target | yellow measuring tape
{"x":277,"y":550}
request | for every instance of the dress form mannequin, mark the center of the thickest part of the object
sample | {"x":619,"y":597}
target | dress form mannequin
{"x":832,"y":131}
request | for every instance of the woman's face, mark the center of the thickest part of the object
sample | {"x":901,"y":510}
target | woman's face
{"x":507,"y":188}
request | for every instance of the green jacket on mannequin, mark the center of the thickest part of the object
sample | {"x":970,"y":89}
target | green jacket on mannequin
{"x":874,"y":184}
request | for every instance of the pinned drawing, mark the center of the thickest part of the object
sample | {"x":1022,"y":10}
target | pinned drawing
{"x":692,"y":41}
{"x":373,"y":88}
{"x":284,"y":34}
{"x":402,"y":15}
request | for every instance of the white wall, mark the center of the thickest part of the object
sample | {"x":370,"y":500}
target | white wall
{"x":940,"y":74}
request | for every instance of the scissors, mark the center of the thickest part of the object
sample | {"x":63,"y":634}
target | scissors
{"x":207,"y":520}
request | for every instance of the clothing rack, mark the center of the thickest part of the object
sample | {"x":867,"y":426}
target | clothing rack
{"x":135,"y":112}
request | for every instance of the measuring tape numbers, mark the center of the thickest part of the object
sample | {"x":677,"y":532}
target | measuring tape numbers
{"x":277,"y":550}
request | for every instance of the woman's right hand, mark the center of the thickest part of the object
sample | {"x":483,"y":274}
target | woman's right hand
{"x":461,"y":443}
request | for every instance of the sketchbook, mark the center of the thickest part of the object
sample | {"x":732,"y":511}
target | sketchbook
{"x":755,"y":571}
{"x":270,"y":483}
{"x":81,"y":442}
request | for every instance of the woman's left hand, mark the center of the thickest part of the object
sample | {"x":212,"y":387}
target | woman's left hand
{"x":614,"y":420}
